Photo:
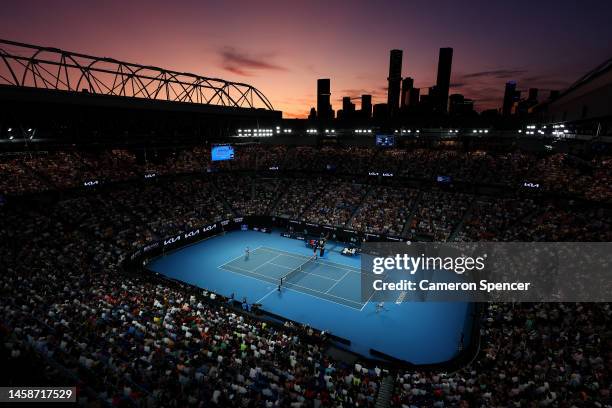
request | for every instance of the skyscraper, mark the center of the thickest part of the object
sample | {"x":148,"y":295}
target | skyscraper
{"x":324,"y":111}
{"x":459,"y":105}
{"x":347,"y":105}
{"x":510,"y":96}
{"x":413,"y":97}
{"x":348,"y":108}
{"x":380,"y":112}
{"x":455,"y":104}
{"x":407,"y":85}
{"x":445,"y":61}
{"x":395,"y":79}
{"x":366,"y":106}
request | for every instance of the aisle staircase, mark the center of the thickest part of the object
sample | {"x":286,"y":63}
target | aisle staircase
{"x":385,"y":392}
{"x":411,"y":214}
{"x":369,"y":192}
{"x":466,"y":215}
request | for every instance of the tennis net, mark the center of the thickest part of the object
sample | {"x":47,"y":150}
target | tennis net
{"x":299,"y":269}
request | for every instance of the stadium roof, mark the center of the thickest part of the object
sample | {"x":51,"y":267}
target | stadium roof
{"x":26,"y":65}
{"x":594,"y":73}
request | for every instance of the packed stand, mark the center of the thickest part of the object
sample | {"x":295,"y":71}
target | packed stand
{"x":336,"y":205}
{"x":385,"y":210}
{"x":437,"y":214}
{"x":137,"y":341}
{"x":543,"y":354}
{"x":298,"y":196}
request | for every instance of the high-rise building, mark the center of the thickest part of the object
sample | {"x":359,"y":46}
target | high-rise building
{"x":429,"y":102}
{"x":380,"y":112}
{"x":347,"y":105}
{"x":510,"y":96}
{"x":407,"y":85}
{"x":324,"y":111}
{"x":366,"y":106}
{"x":313,"y":114}
{"x":525,"y":105}
{"x":413,"y":97}
{"x":445,"y":61}
{"x":468,"y":106}
{"x":459,"y":105}
{"x":395,"y":79}
{"x":348,"y":109}
{"x":455,"y":104}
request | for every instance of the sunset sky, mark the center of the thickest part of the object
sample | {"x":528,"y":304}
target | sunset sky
{"x":282,"y":47}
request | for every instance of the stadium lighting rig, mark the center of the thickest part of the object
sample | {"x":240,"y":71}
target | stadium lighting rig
{"x":254,"y":133}
{"x":558,"y":130}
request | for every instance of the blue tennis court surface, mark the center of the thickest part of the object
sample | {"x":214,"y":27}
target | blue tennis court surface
{"x":327,"y":280}
{"x":325,"y":294}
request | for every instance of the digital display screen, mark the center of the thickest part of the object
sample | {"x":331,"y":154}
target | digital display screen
{"x":222,"y":152}
{"x":444,"y":179}
{"x":385,"y":140}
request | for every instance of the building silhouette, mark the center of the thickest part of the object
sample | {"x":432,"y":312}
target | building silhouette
{"x":366,"y":106}
{"x":445,"y":61}
{"x":394,"y":79}
{"x":313,"y":114}
{"x":348,"y":109}
{"x":324,"y":110}
{"x":407,"y":85}
{"x":380,"y":112}
{"x":413,"y":97}
{"x":459,"y":105}
{"x":524,"y":106}
{"x":511,"y":95}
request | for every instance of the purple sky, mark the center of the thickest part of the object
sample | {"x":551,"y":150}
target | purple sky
{"x":282,"y":47}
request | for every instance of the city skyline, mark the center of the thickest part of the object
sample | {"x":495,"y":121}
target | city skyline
{"x":289,"y":48}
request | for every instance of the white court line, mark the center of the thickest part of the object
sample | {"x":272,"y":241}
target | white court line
{"x":267,"y":262}
{"x":266,"y":295}
{"x":297,"y":291}
{"x":238,"y":257}
{"x":249,"y":271}
{"x":334,"y":285}
{"x":372,"y":295}
{"x":299,"y":286}
{"x":323,"y":293}
{"x":368,"y":301}
{"x":320,"y":262}
{"x":306,"y":273}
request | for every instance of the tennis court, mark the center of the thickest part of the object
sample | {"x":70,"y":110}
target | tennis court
{"x":325,"y":294}
{"x":324,"y":279}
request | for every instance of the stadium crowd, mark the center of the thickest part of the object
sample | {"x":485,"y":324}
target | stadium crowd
{"x":135,"y":340}
{"x":559,"y":173}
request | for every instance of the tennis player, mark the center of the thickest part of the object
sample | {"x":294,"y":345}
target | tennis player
{"x":247,"y":252}
{"x":380,"y":306}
